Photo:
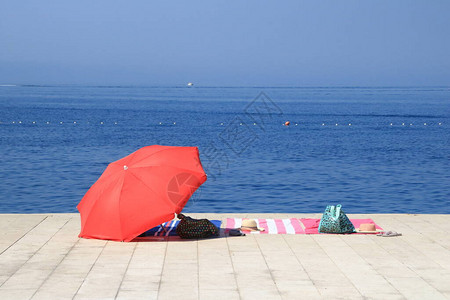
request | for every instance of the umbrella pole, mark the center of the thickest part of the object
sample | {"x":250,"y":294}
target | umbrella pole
{"x":163,"y":228}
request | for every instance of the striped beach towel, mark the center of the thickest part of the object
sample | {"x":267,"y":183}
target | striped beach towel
{"x":170,"y":228}
{"x":271,"y":226}
{"x":289,"y":226}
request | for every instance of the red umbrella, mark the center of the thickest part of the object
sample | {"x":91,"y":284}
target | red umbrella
{"x":140,"y":191}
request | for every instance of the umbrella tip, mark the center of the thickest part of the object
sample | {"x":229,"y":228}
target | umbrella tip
{"x":125,"y":167}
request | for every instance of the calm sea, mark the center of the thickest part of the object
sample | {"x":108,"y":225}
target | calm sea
{"x":374,"y":150}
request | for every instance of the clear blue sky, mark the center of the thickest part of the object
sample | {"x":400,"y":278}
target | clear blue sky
{"x":226,"y":43}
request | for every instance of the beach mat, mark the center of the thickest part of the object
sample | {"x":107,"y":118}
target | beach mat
{"x":312,"y":225}
{"x":170,"y":228}
{"x":271,"y":226}
{"x":290,"y":226}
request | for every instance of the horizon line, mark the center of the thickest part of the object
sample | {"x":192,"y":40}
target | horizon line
{"x":180,"y":85}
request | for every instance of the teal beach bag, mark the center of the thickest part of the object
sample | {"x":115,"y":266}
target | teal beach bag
{"x":334,"y":220}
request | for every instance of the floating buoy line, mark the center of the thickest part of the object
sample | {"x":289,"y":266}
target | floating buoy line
{"x":285,"y":124}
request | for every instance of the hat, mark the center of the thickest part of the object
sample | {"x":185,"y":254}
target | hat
{"x":368,"y":228}
{"x":250,"y":225}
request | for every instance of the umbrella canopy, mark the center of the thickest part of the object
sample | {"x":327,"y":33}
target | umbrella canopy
{"x":140,"y":191}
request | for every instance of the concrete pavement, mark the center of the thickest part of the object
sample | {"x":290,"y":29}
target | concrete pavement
{"x":41,"y":257}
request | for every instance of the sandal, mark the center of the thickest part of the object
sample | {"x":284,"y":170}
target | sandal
{"x":236,"y":232}
{"x":389,"y":234}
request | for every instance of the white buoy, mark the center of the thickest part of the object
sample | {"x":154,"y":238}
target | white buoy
{"x":390,"y":124}
{"x":34,"y":122}
{"x":221,"y":124}
{"x":74,"y":122}
{"x":20,"y":122}
{"x":115,"y":123}
{"x":190,"y":84}
{"x":240,"y":124}
{"x":60,"y":122}
{"x":349,"y":124}
{"x":101,"y":123}
{"x":440,"y":124}
{"x":410,"y":124}
{"x":403,"y":124}
{"x":160,"y":123}
{"x":48,"y":122}
{"x":323,"y":124}
{"x":174,"y":123}
{"x":296,"y":124}
{"x":254,"y":123}
{"x":336,"y":124}
{"x":14,"y":122}
{"x":424,"y":124}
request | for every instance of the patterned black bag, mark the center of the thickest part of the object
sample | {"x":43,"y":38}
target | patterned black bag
{"x":190,"y":228}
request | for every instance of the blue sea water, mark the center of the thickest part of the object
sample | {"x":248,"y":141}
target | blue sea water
{"x":55,"y":141}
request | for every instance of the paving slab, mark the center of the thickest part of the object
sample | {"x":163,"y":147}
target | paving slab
{"x":41,"y":257}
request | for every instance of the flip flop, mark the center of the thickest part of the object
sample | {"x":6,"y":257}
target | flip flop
{"x":389,"y":234}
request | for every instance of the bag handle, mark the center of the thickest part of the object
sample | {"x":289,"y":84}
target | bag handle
{"x":338,"y":211}
{"x":333,"y":211}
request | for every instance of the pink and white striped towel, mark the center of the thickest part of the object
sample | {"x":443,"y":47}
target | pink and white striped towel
{"x":271,"y":226}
